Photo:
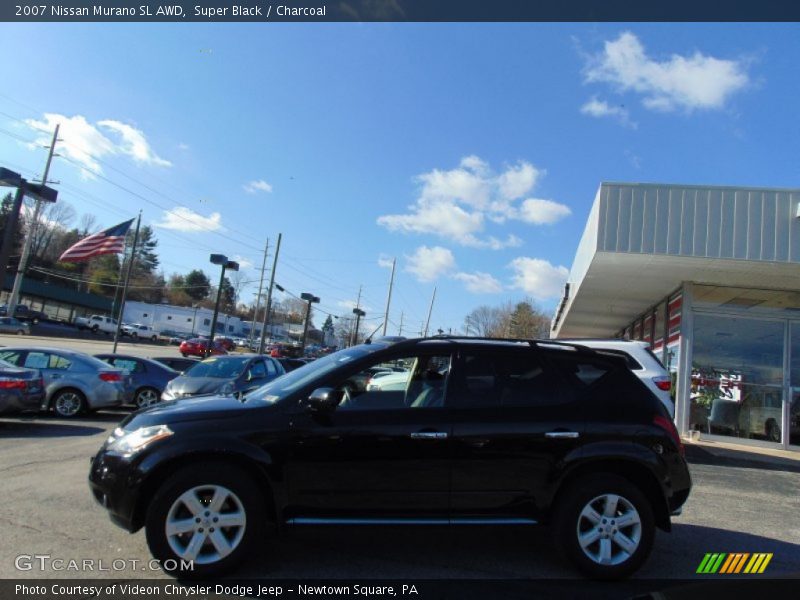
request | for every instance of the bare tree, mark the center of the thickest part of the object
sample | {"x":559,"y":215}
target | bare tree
{"x":54,"y":219}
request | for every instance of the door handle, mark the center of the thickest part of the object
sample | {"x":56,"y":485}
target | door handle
{"x":429,"y":435}
{"x":562,"y":435}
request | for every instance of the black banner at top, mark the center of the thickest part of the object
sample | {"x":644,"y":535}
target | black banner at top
{"x":398,"y":10}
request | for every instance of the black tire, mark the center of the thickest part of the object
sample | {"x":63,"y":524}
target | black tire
{"x":184,"y":355}
{"x":95,"y":328}
{"x":205,"y":480}
{"x":135,"y":336}
{"x":20,"y":332}
{"x":68,"y":403}
{"x":570,"y":521}
{"x":146,"y":396}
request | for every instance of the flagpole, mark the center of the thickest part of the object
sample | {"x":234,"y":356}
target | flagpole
{"x":125,"y":285}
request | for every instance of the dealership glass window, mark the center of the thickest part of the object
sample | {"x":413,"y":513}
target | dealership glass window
{"x":658,"y":337}
{"x":794,"y":382}
{"x":737,"y":377}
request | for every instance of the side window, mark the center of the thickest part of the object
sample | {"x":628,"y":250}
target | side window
{"x":37,"y":360}
{"x":272,"y":370}
{"x":418,"y":382}
{"x":11,"y":356}
{"x":256,"y":371}
{"x":59,"y":362}
{"x":132,"y":366}
{"x":507,"y":379}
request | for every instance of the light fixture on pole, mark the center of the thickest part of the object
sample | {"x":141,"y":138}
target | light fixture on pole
{"x":310,"y":299}
{"x":358,"y":313}
{"x":38,"y":191}
{"x":230,"y":265}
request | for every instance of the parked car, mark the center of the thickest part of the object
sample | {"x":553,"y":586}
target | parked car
{"x":388,"y":380}
{"x":199,"y":347}
{"x":178,"y":363}
{"x":24,"y":313}
{"x":12,"y":325}
{"x":74,"y":382}
{"x":224,"y":375}
{"x":226,"y":343}
{"x":641,"y":360}
{"x":21,"y":389}
{"x":148,"y":377}
{"x":137,"y":330}
{"x":492,"y":432}
{"x":96,"y":323}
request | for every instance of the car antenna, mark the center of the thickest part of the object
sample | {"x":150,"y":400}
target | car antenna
{"x":374,"y":331}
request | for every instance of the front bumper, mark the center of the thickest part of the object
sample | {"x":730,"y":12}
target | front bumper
{"x":115,"y":486}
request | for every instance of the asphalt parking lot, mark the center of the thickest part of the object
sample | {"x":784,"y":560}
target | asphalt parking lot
{"x":740,"y":503}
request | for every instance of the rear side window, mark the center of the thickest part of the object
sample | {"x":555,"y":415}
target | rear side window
{"x":507,"y":379}
{"x":606,"y":386}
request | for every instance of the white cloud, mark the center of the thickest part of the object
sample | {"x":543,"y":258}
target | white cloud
{"x":183,"y":146}
{"x":601,"y":108}
{"x":518,"y":181}
{"x":349,"y":305}
{"x":428,"y":264}
{"x":85,"y":143}
{"x":244,"y":263}
{"x":479,"y":283}
{"x":257,"y":185}
{"x":134,"y":143}
{"x":182,"y":218}
{"x":538,"y":278}
{"x":458,"y":204}
{"x":543,"y":212}
{"x":690,"y":82}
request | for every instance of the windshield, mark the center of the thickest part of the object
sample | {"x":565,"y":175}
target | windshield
{"x":302,"y":376}
{"x":226,"y":367}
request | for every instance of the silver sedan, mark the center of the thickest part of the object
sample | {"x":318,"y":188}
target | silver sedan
{"x":74,"y":382}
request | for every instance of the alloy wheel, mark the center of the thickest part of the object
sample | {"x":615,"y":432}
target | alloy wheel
{"x":146,"y":397}
{"x":609,"y":529}
{"x":68,"y":404}
{"x":205,"y":524}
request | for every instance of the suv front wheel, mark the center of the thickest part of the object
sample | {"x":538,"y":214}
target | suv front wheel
{"x":604,"y":526}
{"x":204,"y":521}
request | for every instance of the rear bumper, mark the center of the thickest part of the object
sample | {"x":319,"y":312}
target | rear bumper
{"x":15,"y":403}
{"x":107,"y":395}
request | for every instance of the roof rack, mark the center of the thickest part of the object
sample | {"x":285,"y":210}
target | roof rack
{"x":534,"y":343}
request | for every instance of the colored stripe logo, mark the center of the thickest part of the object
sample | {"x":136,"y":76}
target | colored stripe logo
{"x":734,"y":563}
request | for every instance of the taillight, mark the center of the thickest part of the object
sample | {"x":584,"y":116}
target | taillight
{"x":109,"y":376}
{"x":664,"y":383}
{"x":13,"y":384}
{"x":668,"y":426}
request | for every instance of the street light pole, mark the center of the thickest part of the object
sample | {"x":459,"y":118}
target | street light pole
{"x":358,"y":313}
{"x":222,"y":260}
{"x":310,"y":298}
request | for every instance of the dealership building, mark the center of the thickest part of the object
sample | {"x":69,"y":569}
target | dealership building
{"x":709,"y":277}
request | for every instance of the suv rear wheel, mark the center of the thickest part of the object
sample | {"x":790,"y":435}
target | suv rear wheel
{"x":604,"y":526}
{"x":209,"y":515}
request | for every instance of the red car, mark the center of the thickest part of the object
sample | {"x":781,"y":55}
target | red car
{"x":226,"y":343}
{"x":199,"y":347}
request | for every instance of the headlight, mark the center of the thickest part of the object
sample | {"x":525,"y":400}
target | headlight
{"x":134,"y":441}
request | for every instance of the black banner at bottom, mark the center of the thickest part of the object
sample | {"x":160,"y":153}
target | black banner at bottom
{"x":264,"y":589}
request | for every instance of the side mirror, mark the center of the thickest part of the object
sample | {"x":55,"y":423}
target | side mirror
{"x":323,"y":400}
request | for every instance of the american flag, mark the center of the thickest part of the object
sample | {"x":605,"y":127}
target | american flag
{"x":109,"y":241}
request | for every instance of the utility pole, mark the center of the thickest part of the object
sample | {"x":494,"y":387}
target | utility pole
{"x":430,"y":310}
{"x":269,"y":296}
{"x":26,"y":248}
{"x":389,"y":299}
{"x":401,"y":324}
{"x":258,"y":297}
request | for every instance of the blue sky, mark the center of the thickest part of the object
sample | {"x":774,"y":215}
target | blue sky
{"x":470,"y":152}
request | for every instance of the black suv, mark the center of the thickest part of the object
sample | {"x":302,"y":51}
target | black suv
{"x":479,"y":431}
